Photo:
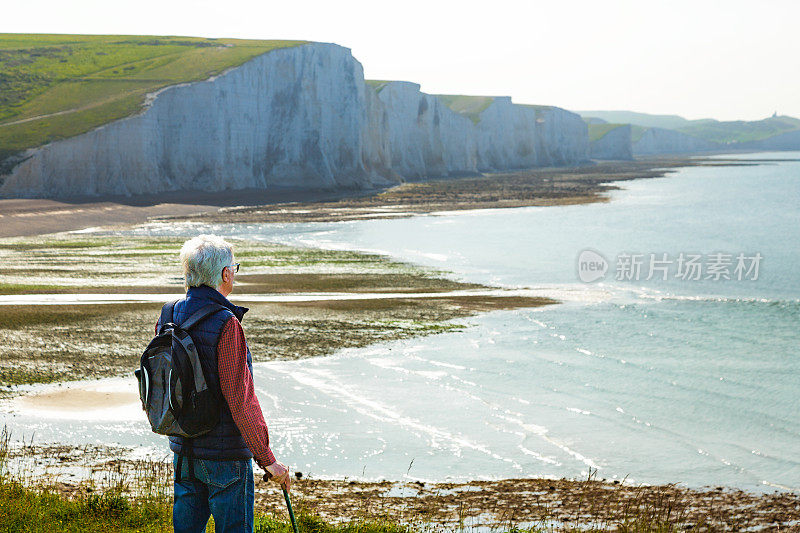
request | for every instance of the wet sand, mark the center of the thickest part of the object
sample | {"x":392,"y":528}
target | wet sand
{"x":37,"y":217}
{"x":77,"y":400}
{"x":28,"y":217}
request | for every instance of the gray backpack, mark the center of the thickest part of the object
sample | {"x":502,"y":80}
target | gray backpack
{"x":172,"y":381}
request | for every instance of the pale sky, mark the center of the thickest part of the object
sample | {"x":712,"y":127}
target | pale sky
{"x":727,"y":59}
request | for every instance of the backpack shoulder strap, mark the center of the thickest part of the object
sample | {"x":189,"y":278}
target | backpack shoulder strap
{"x":200,"y":314}
{"x":167,"y":313}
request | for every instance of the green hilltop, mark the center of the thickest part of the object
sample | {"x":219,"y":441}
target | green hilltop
{"x":735,"y":131}
{"x":377,"y":85}
{"x":58,"y":86}
{"x":598,"y":131}
{"x":538,"y":108}
{"x":469,"y":106}
{"x":740,"y":130}
{"x":637,"y":132}
{"x":646,"y":120}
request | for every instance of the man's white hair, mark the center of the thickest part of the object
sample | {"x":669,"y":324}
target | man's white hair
{"x":203,"y":259}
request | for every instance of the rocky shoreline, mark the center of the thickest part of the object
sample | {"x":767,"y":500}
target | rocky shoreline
{"x":523,"y":188}
{"x":501,"y":505}
{"x":531,"y":187}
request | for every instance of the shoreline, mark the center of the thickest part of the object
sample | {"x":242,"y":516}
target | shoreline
{"x":78,"y":472}
{"x":538,"y":187}
{"x":521,"y":188}
{"x":116,"y":399}
{"x":28,"y":217}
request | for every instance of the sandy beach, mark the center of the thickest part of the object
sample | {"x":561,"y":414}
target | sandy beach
{"x":77,"y":399}
{"x":29,"y":217}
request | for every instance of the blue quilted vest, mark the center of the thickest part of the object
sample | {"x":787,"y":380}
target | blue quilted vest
{"x":224,"y":442}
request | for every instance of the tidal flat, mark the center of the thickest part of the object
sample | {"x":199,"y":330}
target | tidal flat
{"x":72,"y":341}
{"x":523,"y":188}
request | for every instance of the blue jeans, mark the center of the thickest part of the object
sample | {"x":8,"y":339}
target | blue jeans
{"x":224,"y":489}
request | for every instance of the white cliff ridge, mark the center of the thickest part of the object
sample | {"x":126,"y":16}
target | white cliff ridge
{"x":664,"y":141}
{"x":614,"y":144}
{"x":299,"y":117}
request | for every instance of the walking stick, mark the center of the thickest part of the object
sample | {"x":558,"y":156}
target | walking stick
{"x":291,"y":513}
{"x":267,"y":477}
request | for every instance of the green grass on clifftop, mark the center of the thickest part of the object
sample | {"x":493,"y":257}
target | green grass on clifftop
{"x":637,"y":132}
{"x":469,"y":106}
{"x":57,"y":86}
{"x":598,"y":131}
{"x":377,"y":85}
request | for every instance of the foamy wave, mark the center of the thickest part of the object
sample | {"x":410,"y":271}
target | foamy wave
{"x":657,"y":295}
{"x":324,"y":382}
{"x":579,"y":411}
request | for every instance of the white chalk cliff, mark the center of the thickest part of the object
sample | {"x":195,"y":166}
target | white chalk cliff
{"x":664,"y":141}
{"x":425,"y":137}
{"x":562,"y":137}
{"x":615,"y":144}
{"x":299,"y":117}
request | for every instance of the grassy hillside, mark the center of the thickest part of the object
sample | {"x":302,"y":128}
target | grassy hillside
{"x":638,"y":119}
{"x":377,"y":85}
{"x":708,"y":129}
{"x":598,"y":131}
{"x":637,"y":132}
{"x":57,"y":86}
{"x":469,"y":106}
{"x":740,"y":130}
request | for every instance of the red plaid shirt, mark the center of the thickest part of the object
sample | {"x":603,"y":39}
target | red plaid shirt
{"x":236,"y":383}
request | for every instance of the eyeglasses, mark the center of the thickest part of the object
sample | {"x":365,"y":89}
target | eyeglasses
{"x":234,"y":267}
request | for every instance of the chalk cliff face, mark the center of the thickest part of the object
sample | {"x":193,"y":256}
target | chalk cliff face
{"x":426,"y":138}
{"x":292,"y":117}
{"x":615,"y":144}
{"x":664,"y":141}
{"x":506,"y":136}
{"x":562,"y":136}
{"x":299,"y":117}
{"x":429,"y":139}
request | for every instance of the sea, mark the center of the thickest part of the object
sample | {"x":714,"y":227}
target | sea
{"x":673,"y":357}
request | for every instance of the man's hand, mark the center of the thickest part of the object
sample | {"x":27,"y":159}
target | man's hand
{"x":278,"y":473}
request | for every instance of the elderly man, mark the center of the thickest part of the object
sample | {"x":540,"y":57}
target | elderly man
{"x":214,"y":472}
